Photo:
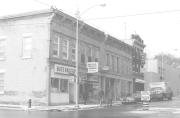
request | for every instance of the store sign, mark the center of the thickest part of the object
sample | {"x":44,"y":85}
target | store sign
{"x":92,"y":67}
{"x":140,"y":81}
{"x":64,"y":69}
{"x":145,"y":95}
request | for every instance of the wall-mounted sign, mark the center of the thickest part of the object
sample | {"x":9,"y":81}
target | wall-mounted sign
{"x":64,"y":69}
{"x":92,"y":67}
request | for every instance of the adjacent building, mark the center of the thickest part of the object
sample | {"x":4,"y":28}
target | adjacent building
{"x":138,"y":61}
{"x":38,"y":56}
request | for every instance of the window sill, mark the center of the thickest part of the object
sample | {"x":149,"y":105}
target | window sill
{"x":2,"y":59}
{"x":26,"y":57}
{"x":1,"y":92}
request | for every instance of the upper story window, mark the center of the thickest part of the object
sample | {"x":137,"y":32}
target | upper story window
{"x":89,"y":54}
{"x":65,"y":48}
{"x":73,"y":52}
{"x":113,"y":63}
{"x":27,"y":46}
{"x":83,"y":54}
{"x":2,"y":47}
{"x":107,"y":59}
{"x":117,"y":64}
{"x":96,"y":58}
{"x":56,"y":46}
{"x":2,"y":73}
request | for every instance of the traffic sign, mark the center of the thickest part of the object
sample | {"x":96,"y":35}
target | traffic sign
{"x":92,"y":67}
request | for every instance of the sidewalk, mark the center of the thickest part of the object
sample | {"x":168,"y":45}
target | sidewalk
{"x":55,"y":108}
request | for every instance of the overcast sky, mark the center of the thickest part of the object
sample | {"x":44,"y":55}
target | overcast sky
{"x":160,"y":31}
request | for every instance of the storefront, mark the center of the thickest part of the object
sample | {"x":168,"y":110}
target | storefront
{"x":89,"y":87}
{"x":138,"y":85}
{"x":61,"y":84}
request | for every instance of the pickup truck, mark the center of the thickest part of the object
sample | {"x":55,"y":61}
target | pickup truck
{"x":160,"y":91}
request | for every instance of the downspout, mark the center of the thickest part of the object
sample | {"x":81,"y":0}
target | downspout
{"x":49,"y":63}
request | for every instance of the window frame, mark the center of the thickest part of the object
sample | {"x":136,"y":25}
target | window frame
{"x":73,"y":54}
{"x":27,"y":46}
{"x":60,"y":85}
{"x":3,"y":45}
{"x":3,"y":74}
{"x":66,"y":49}
{"x":58,"y":46}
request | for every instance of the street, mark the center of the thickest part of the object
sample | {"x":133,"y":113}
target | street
{"x":162,"y":109}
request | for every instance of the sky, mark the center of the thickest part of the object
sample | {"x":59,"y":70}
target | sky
{"x":158,"y":27}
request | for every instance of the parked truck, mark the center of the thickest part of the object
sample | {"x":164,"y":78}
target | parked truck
{"x":160,"y":91}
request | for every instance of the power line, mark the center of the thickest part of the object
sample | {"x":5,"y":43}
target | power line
{"x":138,"y":14}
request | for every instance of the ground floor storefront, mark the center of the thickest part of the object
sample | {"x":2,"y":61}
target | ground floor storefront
{"x":63,"y":86}
{"x":138,"y":85}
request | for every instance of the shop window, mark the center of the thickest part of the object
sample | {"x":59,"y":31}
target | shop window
{"x":59,"y":85}
{"x":64,"y":85}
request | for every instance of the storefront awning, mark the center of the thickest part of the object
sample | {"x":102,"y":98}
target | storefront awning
{"x":140,"y":81}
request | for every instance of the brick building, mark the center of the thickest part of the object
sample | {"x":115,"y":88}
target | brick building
{"x":37,"y":60}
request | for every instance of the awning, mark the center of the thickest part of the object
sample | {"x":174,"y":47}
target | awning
{"x":140,"y":81}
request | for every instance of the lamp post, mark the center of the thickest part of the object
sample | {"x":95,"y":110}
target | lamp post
{"x":77,"y":48}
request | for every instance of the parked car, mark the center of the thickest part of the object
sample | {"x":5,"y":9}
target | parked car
{"x":128,"y":100}
{"x":137,"y":96}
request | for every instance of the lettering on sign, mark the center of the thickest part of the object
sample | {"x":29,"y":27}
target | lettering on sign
{"x":145,"y":95}
{"x":92,"y":67}
{"x":64,"y":69}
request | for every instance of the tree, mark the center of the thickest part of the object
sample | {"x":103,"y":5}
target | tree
{"x":169,"y":59}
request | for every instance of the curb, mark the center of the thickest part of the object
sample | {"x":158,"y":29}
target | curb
{"x":25,"y":108}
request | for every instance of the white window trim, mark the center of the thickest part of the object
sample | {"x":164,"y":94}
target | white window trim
{"x":3,"y":38}
{"x":24,"y":36}
{"x":2,"y":72}
{"x":67,"y":50}
{"x":74,"y":54}
{"x":58,"y":52}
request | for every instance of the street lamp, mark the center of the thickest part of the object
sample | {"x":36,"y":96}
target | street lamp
{"x":77,"y":48}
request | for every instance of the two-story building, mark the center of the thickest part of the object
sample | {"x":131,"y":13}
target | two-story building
{"x":38,"y":56}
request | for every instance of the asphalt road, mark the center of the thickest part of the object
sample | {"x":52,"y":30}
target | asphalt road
{"x":164,"y":109}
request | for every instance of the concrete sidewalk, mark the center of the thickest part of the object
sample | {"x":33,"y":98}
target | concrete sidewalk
{"x":56,"y":108}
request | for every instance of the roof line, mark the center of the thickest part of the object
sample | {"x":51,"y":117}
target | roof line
{"x":27,"y":14}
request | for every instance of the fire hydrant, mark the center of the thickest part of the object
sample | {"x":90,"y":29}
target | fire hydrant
{"x":29,"y":103}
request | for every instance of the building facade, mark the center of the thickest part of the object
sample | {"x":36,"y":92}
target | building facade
{"x":138,"y":61}
{"x":38,"y":56}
